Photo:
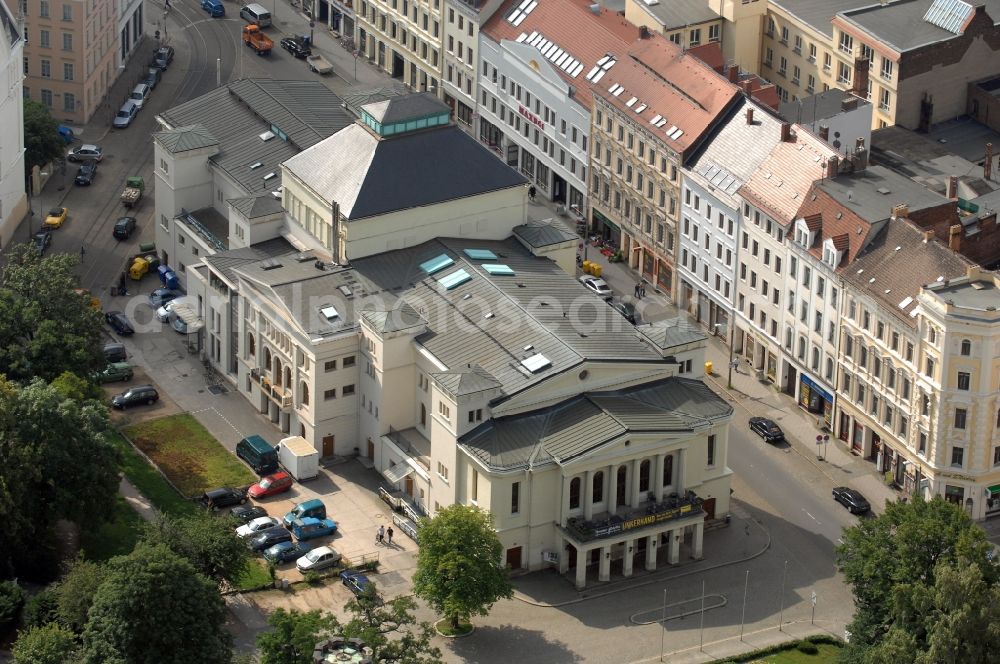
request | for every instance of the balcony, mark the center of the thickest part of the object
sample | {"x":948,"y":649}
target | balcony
{"x":671,"y":508}
{"x":277,"y":393}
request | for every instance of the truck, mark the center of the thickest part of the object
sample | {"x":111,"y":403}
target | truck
{"x":257,"y":40}
{"x":298,"y":456}
{"x":134,"y":186}
{"x":319,"y":64}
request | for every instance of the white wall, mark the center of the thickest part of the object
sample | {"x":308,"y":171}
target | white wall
{"x":13,"y":200}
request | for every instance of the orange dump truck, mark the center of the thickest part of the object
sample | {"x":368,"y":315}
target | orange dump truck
{"x":257,"y":40}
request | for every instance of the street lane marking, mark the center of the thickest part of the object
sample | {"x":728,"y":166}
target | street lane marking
{"x":818,"y":522}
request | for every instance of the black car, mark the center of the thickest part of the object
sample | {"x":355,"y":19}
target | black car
{"x":134,"y":396}
{"x":213,"y":499}
{"x":115,"y":352}
{"x":124,"y":227}
{"x":247,"y":513}
{"x":851,"y":499}
{"x":42,"y":241}
{"x":626,"y":309}
{"x":162,"y":58}
{"x":119,"y":322}
{"x":86,"y":174}
{"x":153,"y":75}
{"x":767,"y":429}
{"x":268,"y":538}
{"x":297,"y":46}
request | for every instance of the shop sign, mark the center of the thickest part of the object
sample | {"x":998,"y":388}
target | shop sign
{"x":531,"y":117}
{"x":650,"y":519}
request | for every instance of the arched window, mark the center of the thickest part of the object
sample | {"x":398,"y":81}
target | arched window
{"x":966,"y":347}
{"x":277,"y":370}
{"x":644,"y":475}
{"x":288,"y":377}
{"x":668,"y":470}
{"x":597,"y":490}
{"x":251,"y":346}
{"x":574,"y":493}
{"x":304,"y":389}
{"x":267,"y":358}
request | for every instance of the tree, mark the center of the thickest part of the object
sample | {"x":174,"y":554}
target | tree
{"x":294,"y":636}
{"x":71,"y":386}
{"x":41,"y":609}
{"x":385,"y":628}
{"x":48,"y":644}
{"x":46,"y":326}
{"x":892,"y":563}
{"x":75,"y":593}
{"x":459,"y":572}
{"x":153,"y":607}
{"x":11,"y":603}
{"x":42,"y":142}
{"x":208,"y":542}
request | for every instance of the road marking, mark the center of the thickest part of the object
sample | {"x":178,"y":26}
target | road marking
{"x":812,"y":517}
{"x":840,"y":540}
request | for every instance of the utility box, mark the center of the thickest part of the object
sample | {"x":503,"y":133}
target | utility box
{"x":299,"y":458}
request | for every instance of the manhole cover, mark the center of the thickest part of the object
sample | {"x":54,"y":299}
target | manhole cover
{"x":217,"y":389}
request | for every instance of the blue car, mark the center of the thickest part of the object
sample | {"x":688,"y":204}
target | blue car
{"x":214,"y":8}
{"x":284,"y":552}
{"x":309,"y":527}
{"x":356,"y":581}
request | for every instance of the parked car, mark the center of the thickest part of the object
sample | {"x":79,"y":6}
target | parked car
{"x":85,"y":176}
{"x":179,"y":325}
{"x":134,"y":396}
{"x":214,"y":499}
{"x":56,"y":217}
{"x":766,"y":429}
{"x":317,"y":559}
{"x":86,"y":152}
{"x":119,"y":322}
{"x":115,"y":352}
{"x":214,"y":8}
{"x":355,"y":580}
{"x":268,"y":538}
{"x":310,"y":528}
{"x":42,"y":240}
{"x":162,"y":57}
{"x":257,"y":525}
{"x":852,"y":499}
{"x":271,"y":485}
{"x":139,"y":94}
{"x":125,"y":115}
{"x":66,"y":133}
{"x":124,"y":228}
{"x":284,"y":552}
{"x":314,"y":508}
{"x":626,"y":309}
{"x":153,"y":75}
{"x":247,"y":513}
{"x":297,"y":46}
{"x":597,"y":285}
{"x":114,"y":372}
{"x":161,"y":296}
{"x":163,"y":313}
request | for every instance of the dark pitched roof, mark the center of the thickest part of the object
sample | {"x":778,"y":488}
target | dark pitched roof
{"x":471,"y":379}
{"x":255,"y":207}
{"x":666,"y":334}
{"x":226,"y":262}
{"x":406,"y":107}
{"x":401,"y":317}
{"x":182,"y":139}
{"x":355,"y":101}
{"x":541,"y":234}
{"x":574,"y":427}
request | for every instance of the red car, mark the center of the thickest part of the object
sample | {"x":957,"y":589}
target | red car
{"x":270,"y":485}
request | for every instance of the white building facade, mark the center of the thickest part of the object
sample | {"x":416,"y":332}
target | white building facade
{"x":130,"y":28}
{"x":13,"y":200}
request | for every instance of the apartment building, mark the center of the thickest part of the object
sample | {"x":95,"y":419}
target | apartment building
{"x":742,"y":28}
{"x":836,"y":116}
{"x":13,"y":199}
{"x":687,"y":24}
{"x":459,"y":78}
{"x":404,"y":39}
{"x":711,"y":215}
{"x":339,"y":15}
{"x":130,"y":29}
{"x":652,"y":111}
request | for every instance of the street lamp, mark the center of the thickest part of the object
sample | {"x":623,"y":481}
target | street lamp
{"x":732,"y":334}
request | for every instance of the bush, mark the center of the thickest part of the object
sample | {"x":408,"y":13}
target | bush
{"x":11,"y":602}
{"x":312,"y":577}
{"x":41,"y":609}
{"x":807,"y":648}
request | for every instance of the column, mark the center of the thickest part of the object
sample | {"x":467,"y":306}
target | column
{"x":581,"y":568}
{"x":699,"y":532}
{"x":629,"y":557}
{"x":658,"y":476}
{"x":651,"y":543}
{"x":679,"y":460}
{"x":564,"y":507}
{"x":563,"y":556}
{"x":612,"y":489}
{"x":588,"y":495}
{"x":635,"y":482}
{"x":604,"y":573}
{"x":674,"y":537}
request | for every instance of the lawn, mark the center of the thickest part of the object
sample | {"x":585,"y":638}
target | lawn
{"x":188,"y":454}
{"x":115,"y":537}
{"x":255,"y":576}
{"x":827,"y":655}
{"x":150,"y":482}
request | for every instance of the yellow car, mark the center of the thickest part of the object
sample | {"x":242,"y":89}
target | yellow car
{"x":56,"y":217}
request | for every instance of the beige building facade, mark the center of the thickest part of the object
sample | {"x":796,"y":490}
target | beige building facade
{"x":403,"y":38}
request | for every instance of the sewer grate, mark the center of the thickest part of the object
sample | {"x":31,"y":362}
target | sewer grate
{"x":217,"y":389}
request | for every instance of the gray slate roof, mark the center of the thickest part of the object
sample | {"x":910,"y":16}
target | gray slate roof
{"x":819,"y":13}
{"x":667,"y":334}
{"x":819,"y":106}
{"x":679,"y":13}
{"x":255,"y":207}
{"x":401,"y":317}
{"x":570,"y":429}
{"x":182,"y":139}
{"x":543,"y":234}
{"x":238,"y":113}
{"x":226,"y":262}
{"x":873,"y":192}
{"x":470,"y":379}
{"x":406,"y":107}
{"x":368,"y":176}
{"x":899,"y":24}
{"x":354,"y":101}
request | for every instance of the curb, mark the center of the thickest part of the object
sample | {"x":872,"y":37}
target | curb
{"x":472,"y":629}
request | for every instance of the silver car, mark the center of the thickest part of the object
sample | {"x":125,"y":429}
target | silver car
{"x":125,"y":115}
{"x":85,"y":153}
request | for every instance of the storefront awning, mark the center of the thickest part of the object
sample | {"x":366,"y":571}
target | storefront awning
{"x":604,"y":220}
{"x":994,"y":489}
{"x":397,"y":472}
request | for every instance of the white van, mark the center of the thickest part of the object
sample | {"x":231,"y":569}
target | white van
{"x":256,"y":14}
{"x":139,"y":94}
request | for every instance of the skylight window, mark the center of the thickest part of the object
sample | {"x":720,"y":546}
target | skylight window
{"x":601,"y":68}
{"x":266,"y":136}
{"x":330,"y":313}
{"x":436,"y":264}
{"x":551,"y":52}
{"x":521,"y":12}
{"x":455,"y":279}
{"x":480,"y":254}
{"x":498,"y":269}
{"x":536,"y":363}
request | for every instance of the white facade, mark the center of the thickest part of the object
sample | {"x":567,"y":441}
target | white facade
{"x":13,"y":201}
{"x":130,"y":28}
{"x":459,"y":76}
{"x":528,"y":117}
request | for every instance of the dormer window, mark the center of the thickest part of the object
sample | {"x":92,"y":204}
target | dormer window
{"x":807,"y":230}
{"x":833,"y":250}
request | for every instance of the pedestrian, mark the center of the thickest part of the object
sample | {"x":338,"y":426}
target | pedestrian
{"x":636,"y":289}
{"x":642,"y":291}
{"x":381,"y":534}
{"x":82,"y":251}
{"x":389,"y":534}
{"x":531,"y":193}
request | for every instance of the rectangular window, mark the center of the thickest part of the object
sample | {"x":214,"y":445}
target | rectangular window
{"x":711,"y":450}
{"x":960,"y":415}
{"x":963,"y":380}
{"x":67,"y":40}
{"x":347,"y":389}
{"x":515,"y":498}
{"x":330,"y":394}
{"x":957,"y":456}
{"x":348,"y":361}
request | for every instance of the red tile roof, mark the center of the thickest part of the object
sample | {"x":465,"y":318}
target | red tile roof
{"x":841,"y":242}
{"x":814,"y":222}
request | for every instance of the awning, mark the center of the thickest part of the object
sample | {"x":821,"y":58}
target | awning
{"x":994,"y":489}
{"x":397,"y":472}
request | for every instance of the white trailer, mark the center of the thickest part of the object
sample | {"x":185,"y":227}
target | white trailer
{"x":299,"y":457}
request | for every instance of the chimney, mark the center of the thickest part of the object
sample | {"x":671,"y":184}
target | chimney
{"x":824,"y":132}
{"x":955,"y":237}
{"x":976,"y":273}
{"x":831,"y":167}
{"x":952,"y":188}
{"x":786,"y":132}
{"x":643,"y":32}
{"x":596,"y":9}
{"x":749,"y":116}
{"x":861,"y":159}
{"x":988,"y":164}
{"x":861,"y":67}
{"x":903,"y":210}
{"x":733,"y":74}
{"x":746,"y":85}
{"x":928,"y":236}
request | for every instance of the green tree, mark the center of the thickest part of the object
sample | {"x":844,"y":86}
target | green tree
{"x":891,"y":563}
{"x":42,"y":142}
{"x":294,"y":636}
{"x":155,"y":608}
{"x":41,"y":609}
{"x":389,"y":629}
{"x":208,"y":542}
{"x":459,"y":570}
{"x":46,"y":326}
{"x":71,"y":386}
{"x":11,"y":603}
{"x":48,"y":644}
{"x":75,"y":593}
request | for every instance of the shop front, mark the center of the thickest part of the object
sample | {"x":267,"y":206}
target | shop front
{"x":993,"y":501}
{"x":954,"y":494}
{"x":605,"y":228}
{"x":815,"y":399}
